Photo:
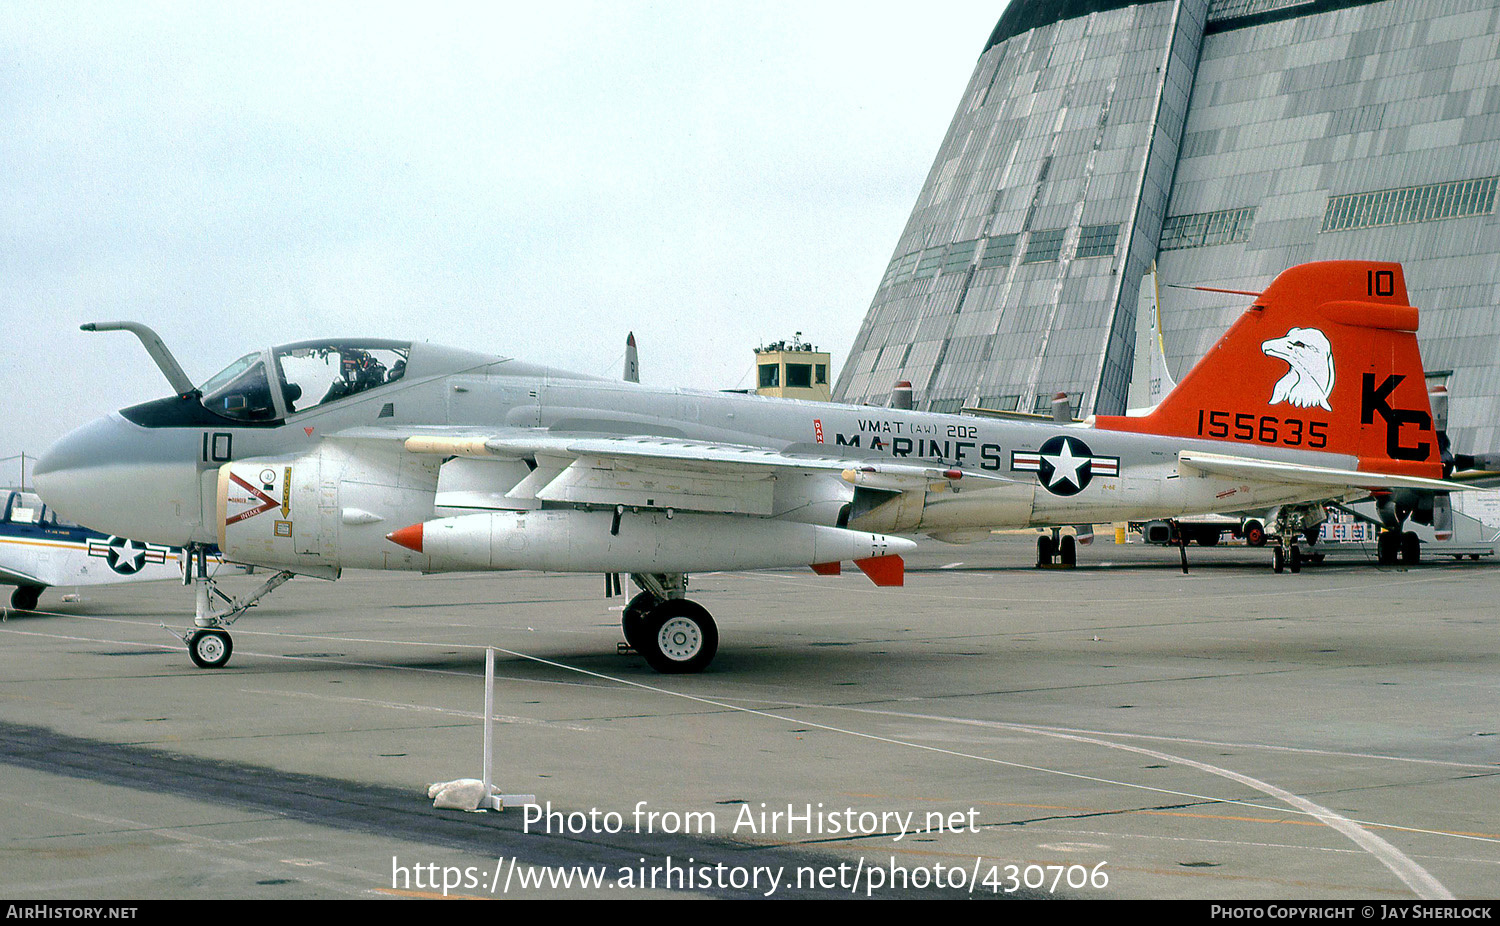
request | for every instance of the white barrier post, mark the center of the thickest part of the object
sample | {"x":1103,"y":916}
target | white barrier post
{"x":490,"y":800}
{"x":489,"y":713}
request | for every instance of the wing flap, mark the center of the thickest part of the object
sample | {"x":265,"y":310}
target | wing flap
{"x":601,"y":480}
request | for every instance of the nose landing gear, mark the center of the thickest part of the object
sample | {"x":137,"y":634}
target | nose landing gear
{"x":210,"y":646}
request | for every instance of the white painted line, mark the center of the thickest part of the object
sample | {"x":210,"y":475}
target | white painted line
{"x":1423,"y":884}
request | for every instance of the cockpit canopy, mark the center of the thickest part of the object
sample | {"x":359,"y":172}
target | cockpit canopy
{"x":302,"y":376}
{"x":27,"y":508}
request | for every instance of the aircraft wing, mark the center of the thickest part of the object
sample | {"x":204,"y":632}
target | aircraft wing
{"x":12,"y":577}
{"x":1297,"y":473}
{"x":1477,"y":479}
{"x":662,"y":472}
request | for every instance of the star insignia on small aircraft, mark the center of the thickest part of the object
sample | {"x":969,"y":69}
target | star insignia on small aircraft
{"x":125,"y":555}
{"x":1064,"y":465}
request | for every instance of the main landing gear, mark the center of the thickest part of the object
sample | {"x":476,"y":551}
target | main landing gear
{"x":1058,"y":549}
{"x":210,"y":645}
{"x":1286,"y":556}
{"x":674,"y":635}
{"x":1397,"y":546}
{"x":25,"y":597}
{"x":1294,"y":524}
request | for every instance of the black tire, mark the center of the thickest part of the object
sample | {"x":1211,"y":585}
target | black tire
{"x":633,"y":620}
{"x":1387,"y":548}
{"x":681,"y":637}
{"x":25,"y":597}
{"x":1067,"y":551}
{"x":1278,"y":560}
{"x":1255,"y":535}
{"x":1044,"y":551}
{"x":1294,"y":559}
{"x":1411,"y":549}
{"x":210,"y":649}
{"x":1208,"y":537}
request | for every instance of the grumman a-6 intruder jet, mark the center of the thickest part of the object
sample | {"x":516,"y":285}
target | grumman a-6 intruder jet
{"x":324,"y":455}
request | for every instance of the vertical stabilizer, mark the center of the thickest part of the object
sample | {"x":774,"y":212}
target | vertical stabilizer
{"x":1326,"y":359}
{"x":632,"y":363}
{"x":1150,"y":379}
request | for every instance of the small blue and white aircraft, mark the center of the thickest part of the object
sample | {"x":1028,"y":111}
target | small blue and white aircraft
{"x":39,"y":551}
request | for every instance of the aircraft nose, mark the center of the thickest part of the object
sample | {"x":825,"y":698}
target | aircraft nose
{"x":110,"y":475}
{"x":82,"y":448}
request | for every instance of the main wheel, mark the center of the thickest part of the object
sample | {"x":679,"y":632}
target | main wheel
{"x":1044,"y":551}
{"x":1411,"y":549}
{"x":210,"y":649}
{"x":1387,"y":548}
{"x":1067,"y":551}
{"x":1294,"y":559}
{"x":1208,"y":536}
{"x":25,"y":597}
{"x":680,"y":637}
{"x":1278,"y":560}
{"x":633,"y":620}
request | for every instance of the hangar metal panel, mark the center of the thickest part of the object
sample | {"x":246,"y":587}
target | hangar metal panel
{"x":1215,"y":138}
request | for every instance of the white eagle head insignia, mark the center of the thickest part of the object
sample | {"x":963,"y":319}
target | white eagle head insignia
{"x":1310,"y":379}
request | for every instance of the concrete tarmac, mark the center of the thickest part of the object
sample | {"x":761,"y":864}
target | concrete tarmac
{"x":1119,"y":730}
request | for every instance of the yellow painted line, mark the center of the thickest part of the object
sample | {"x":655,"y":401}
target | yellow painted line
{"x":426,"y":895}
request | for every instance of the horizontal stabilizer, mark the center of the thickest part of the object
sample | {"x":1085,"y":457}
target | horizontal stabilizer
{"x":1274,"y":471}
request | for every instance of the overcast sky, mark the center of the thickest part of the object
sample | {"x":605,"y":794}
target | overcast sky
{"x":518,"y":179}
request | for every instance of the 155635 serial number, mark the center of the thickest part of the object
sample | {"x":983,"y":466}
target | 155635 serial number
{"x":1262,"y":429}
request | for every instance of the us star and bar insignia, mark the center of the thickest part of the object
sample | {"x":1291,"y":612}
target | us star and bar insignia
{"x":1064,"y":465}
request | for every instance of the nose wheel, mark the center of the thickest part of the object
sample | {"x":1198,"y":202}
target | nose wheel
{"x":210,"y":649}
{"x":209,"y":645}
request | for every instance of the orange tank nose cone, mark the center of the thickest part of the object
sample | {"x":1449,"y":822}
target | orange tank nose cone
{"x":409,"y":537}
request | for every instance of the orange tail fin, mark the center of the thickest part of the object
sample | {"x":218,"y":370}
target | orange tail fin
{"x":1326,"y":359}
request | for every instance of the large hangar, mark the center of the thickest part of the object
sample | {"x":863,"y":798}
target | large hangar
{"x":1226,"y":140}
